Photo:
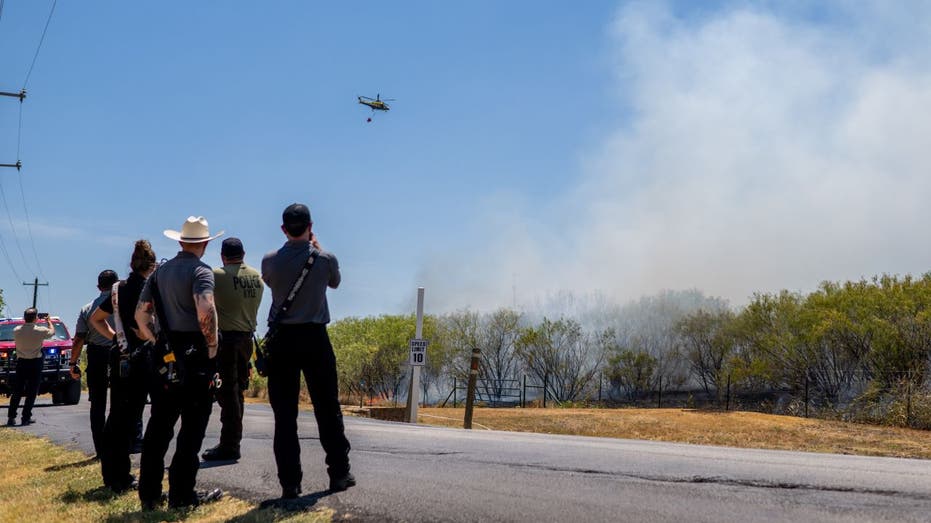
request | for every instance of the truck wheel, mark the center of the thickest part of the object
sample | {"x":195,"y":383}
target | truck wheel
{"x":57,"y":394}
{"x":71,"y":393}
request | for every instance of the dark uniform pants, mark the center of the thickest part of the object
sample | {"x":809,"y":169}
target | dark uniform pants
{"x":233,"y":359}
{"x":97,"y":361}
{"x":26,"y":382}
{"x":191,"y":400}
{"x":127,"y":401}
{"x":305,"y":348}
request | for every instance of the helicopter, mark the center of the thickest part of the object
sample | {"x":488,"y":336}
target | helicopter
{"x":377,"y":104}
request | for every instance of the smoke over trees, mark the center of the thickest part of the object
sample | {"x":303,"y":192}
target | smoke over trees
{"x":837,"y":345}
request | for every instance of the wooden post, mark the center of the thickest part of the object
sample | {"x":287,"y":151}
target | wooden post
{"x":470,"y":393}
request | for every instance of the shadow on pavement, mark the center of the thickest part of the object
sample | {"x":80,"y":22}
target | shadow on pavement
{"x":35,"y":406}
{"x":218,"y":463}
{"x":274,"y":509}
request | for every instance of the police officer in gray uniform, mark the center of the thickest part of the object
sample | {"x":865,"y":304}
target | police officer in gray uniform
{"x":180,"y":292}
{"x":301,"y":345}
{"x":98,"y":356}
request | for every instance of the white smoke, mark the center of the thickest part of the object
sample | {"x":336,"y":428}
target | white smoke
{"x":760,"y":151}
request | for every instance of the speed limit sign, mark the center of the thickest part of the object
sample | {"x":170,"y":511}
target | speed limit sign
{"x":418,"y":352}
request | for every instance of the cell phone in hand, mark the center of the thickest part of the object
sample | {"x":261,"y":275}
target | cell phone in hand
{"x":43,"y":315}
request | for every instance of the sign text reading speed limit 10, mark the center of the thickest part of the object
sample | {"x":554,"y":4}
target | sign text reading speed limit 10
{"x":418,"y":352}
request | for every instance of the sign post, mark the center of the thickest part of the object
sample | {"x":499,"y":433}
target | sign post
{"x":417,"y":359}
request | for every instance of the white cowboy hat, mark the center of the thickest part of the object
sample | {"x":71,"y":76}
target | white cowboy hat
{"x":194,"y":230}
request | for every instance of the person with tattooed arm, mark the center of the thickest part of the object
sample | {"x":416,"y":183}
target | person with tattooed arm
{"x":180,"y":294}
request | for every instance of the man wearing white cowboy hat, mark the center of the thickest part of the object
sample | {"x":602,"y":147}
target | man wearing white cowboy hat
{"x":180,"y":292}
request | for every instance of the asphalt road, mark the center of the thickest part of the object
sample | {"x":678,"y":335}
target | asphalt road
{"x":421,"y":473}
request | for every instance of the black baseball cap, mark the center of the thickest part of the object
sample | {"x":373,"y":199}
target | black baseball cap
{"x":106,"y":279}
{"x":232,"y":248}
{"x":296,"y":214}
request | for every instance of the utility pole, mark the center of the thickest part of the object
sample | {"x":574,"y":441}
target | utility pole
{"x":35,"y":290}
{"x":22,"y":96}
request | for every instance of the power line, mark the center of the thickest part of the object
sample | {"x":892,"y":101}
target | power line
{"x":19,"y":135}
{"x":13,"y":227}
{"x":29,"y":227}
{"x":34,"y":58}
{"x":9,"y":260}
{"x":48,"y":299}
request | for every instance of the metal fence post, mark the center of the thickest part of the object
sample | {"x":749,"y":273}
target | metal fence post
{"x":546,"y":379}
{"x":455,"y":386}
{"x":806,"y":394}
{"x":523,"y":394}
{"x":659,"y":400}
{"x":727,"y":405}
{"x":908,"y":403}
{"x":470,"y":393}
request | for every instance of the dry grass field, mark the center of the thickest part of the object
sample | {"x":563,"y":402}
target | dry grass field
{"x":735,"y":429}
{"x":45,"y":482}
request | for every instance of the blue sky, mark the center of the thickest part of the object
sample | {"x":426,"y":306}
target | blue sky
{"x":141,"y":114}
{"x":533,"y":146}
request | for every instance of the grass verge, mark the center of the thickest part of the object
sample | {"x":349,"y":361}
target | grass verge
{"x":44,"y":482}
{"x":733,"y":429}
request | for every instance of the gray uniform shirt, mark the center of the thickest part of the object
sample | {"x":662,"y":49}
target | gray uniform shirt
{"x":178,"y":280}
{"x":282,"y":267}
{"x":84,"y":327}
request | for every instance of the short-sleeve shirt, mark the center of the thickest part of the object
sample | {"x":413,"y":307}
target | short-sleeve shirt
{"x":238,"y":293}
{"x":129,"y":292}
{"x":28,"y":338}
{"x":84,"y":327}
{"x":282,"y":267}
{"x":178,"y":280}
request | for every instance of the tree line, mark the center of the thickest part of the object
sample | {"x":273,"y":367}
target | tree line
{"x":842,"y":344}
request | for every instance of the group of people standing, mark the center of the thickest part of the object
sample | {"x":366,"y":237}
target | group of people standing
{"x":183,"y":334}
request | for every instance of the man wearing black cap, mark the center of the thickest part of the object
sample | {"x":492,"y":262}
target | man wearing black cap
{"x":301,"y":344}
{"x":98,"y":356}
{"x":238,"y":293}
